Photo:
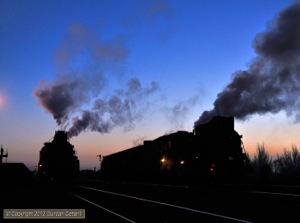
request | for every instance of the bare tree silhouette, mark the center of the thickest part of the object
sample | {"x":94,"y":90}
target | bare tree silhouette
{"x":262,"y":164}
{"x":288,"y":164}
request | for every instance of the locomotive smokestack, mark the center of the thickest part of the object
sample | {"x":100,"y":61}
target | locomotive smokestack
{"x":272,"y":82}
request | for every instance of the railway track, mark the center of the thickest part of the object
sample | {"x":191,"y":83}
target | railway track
{"x":148,"y":210}
{"x":182,"y":203}
{"x":106,"y":201}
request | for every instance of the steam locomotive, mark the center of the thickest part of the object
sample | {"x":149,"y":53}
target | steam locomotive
{"x":212,"y":152}
{"x":58,"y":161}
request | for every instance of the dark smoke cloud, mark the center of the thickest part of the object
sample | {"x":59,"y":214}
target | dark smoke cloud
{"x":58,"y":99}
{"x":272,"y":82}
{"x":121,"y":109}
{"x":76,"y":98}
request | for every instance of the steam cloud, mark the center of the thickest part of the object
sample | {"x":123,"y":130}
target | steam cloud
{"x":178,"y":113}
{"x":79,"y":98}
{"x":272,"y":82}
{"x":121,"y":109}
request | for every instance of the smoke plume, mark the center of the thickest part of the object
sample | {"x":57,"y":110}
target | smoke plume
{"x":81,"y":97}
{"x":179,"y":112}
{"x":120,"y":109}
{"x":272,"y":81}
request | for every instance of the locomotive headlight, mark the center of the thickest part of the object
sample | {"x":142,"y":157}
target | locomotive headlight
{"x":212,"y":167}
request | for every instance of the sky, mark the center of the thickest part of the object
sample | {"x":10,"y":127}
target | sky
{"x":115,"y":73}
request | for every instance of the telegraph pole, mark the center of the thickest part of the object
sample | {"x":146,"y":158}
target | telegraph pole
{"x":100,"y":160}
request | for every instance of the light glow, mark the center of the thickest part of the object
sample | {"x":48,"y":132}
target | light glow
{"x":1,"y":100}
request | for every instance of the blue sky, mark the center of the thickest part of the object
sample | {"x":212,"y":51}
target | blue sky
{"x":189,"y":49}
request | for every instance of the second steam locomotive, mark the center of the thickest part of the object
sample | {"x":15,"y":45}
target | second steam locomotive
{"x":214,"y":151}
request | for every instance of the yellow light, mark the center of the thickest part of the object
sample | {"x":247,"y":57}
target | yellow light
{"x":182,"y":162}
{"x":163,"y":160}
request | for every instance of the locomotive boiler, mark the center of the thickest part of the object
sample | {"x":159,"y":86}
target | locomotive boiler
{"x":212,"y":152}
{"x":58,"y":160}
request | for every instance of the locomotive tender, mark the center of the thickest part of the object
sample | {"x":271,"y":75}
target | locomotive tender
{"x":58,"y":161}
{"x":213,"y":152}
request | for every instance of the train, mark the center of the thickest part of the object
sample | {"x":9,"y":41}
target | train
{"x":58,"y":161}
{"x":213,"y":152}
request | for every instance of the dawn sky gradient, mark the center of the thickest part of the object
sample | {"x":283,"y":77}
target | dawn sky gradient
{"x":116,"y":73}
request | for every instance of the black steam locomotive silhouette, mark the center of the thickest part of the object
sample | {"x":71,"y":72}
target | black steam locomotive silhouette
{"x":58,"y":160}
{"x":214,"y":151}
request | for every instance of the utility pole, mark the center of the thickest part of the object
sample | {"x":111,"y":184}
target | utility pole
{"x":100,"y":160}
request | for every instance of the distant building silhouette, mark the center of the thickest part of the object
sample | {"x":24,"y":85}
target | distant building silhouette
{"x":15,"y":172}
